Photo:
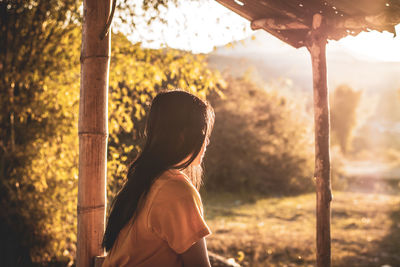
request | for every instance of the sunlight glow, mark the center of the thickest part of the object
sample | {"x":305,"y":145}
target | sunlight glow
{"x":194,"y":26}
{"x":199,"y":27}
{"x":374,"y":46}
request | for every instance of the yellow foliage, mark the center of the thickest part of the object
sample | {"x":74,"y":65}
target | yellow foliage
{"x":44,"y":185}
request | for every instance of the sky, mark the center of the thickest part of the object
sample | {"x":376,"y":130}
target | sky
{"x":373,"y":45}
{"x":199,"y":27}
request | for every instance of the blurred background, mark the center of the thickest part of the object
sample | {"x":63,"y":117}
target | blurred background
{"x":258,"y":173}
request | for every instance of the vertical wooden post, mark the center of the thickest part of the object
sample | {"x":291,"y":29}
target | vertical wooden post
{"x":93,"y":131}
{"x":316,"y":45}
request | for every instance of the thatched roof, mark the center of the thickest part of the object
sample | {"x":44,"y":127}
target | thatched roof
{"x":291,"y":20}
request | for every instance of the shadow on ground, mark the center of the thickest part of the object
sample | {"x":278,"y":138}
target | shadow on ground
{"x":385,"y":252}
{"x":389,"y":247}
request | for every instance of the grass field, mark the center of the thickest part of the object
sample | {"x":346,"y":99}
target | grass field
{"x":276,"y":231}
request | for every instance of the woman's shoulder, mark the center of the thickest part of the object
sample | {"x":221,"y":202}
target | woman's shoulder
{"x":174,"y":184}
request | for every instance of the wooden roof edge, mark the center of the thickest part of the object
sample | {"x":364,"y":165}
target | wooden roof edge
{"x":278,"y":24}
{"x":361,"y":22}
{"x":260,"y":24}
{"x":234,"y":9}
{"x":335,"y":27}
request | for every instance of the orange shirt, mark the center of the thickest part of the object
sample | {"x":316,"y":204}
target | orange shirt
{"x":170,"y":222}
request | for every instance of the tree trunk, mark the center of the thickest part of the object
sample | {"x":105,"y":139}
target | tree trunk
{"x":93,"y":131}
{"x":316,"y":46}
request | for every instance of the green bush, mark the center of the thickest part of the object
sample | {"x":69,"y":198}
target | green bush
{"x":261,"y":142}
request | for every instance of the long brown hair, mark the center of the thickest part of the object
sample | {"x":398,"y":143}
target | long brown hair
{"x":176,"y":128}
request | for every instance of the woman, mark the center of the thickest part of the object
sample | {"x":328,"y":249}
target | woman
{"x":157,"y":217}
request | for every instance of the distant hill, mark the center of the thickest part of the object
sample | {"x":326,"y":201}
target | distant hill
{"x":269,"y":58}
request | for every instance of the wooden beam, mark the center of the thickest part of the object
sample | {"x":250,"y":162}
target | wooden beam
{"x":383,"y":19}
{"x":363,"y":22}
{"x":245,"y":11}
{"x":93,"y":131}
{"x":360,"y":23}
{"x":316,"y":44}
{"x":278,"y":24}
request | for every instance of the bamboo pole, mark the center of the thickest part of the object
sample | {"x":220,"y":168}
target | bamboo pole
{"x":93,"y":131}
{"x":317,"y":47}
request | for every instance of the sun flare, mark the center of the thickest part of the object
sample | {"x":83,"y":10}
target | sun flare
{"x":373,"y":46}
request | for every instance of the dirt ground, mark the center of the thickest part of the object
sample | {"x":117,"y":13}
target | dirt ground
{"x":280,"y":231}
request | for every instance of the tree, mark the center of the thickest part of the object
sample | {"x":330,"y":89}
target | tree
{"x":344,"y":104}
{"x":261,"y":142}
{"x":36,"y":45}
